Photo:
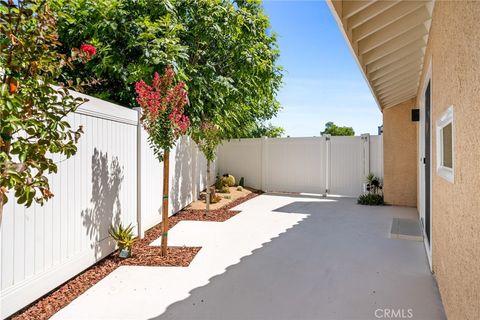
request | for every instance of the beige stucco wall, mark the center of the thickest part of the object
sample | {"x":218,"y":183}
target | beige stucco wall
{"x":454,"y":49}
{"x":400,"y":155}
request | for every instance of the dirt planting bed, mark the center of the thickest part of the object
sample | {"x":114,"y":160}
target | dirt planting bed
{"x":220,"y":214}
{"x":225,"y":199}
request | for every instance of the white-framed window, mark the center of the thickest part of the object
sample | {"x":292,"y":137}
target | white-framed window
{"x":446,"y":145}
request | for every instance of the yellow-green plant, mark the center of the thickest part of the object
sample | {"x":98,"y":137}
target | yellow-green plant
{"x":123,"y":236}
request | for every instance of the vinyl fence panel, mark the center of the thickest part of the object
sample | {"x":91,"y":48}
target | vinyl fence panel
{"x":296,"y":164}
{"x":347,"y":166}
{"x":242,"y":158}
{"x":44,"y":246}
{"x":336,"y":165}
{"x":376,"y":155}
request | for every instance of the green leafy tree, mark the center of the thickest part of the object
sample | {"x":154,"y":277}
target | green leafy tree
{"x":264,"y":130}
{"x":231,"y":69}
{"x":163,"y":118}
{"x":134,"y":39}
{"x":222,"y":49}
{"x":334,"y":130}
{"x":33,"y":113}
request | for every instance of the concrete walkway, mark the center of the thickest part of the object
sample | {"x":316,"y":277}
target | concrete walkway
{"x":282,"y":257}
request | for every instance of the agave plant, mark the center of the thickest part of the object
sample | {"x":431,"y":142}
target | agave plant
{"x":124,"y":238}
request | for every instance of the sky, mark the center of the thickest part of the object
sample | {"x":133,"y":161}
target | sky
{"x":322,"y":81}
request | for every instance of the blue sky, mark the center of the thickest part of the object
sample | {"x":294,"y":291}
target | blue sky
{"x":321,"y":81}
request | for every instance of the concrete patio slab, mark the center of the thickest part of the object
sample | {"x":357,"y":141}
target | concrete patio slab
{"x":282,"y":257}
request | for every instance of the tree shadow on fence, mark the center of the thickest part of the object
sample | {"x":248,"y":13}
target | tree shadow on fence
{"x":182,"y":179}
{"x":106,"y":208}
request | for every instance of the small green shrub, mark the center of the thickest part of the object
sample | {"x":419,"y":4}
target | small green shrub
{"x":371,"y":199}
{"x":242,"y":182}
{"x":227,"y":197}
{"x":239,"y":188}
{"x":225,"y":189}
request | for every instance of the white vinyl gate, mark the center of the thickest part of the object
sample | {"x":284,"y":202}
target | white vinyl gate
{"x":336,"y":165}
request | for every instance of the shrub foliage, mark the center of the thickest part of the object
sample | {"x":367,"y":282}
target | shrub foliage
{"x":371,"y":199}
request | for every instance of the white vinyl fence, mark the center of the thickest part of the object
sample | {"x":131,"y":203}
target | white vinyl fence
{"x":113,"y":178}
{"x":333,"y":165}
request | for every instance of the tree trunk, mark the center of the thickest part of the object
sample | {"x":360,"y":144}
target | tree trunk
{"x":166,"y":162}
{"x":207,"y":208}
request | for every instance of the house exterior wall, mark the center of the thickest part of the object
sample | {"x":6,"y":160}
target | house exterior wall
{"x":400,"y":155}
{"x":454,"y":50}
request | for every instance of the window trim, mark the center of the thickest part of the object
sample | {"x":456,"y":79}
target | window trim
{"x":445,"y":119}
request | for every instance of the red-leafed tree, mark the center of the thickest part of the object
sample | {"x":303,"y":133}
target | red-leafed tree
{"x":163,"y":118}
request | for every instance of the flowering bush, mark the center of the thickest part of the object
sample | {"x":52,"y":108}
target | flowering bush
{"x":163,"y":115}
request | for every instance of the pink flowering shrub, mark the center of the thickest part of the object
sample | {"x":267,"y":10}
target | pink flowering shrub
{"x":163,"y":104}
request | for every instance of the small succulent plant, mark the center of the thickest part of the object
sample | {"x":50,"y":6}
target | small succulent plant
{"x":123,"y":236}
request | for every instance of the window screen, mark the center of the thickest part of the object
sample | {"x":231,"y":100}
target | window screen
{"x":447,"y":160}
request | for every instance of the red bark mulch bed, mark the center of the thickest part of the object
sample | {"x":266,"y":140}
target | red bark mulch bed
{"x":142,"y":255}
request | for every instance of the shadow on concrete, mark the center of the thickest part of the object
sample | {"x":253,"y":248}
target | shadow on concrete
{"x":306,"y":196}
{"x":338,"y":263}
{"x":305,"y":207}
{"x":107,"y":178}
